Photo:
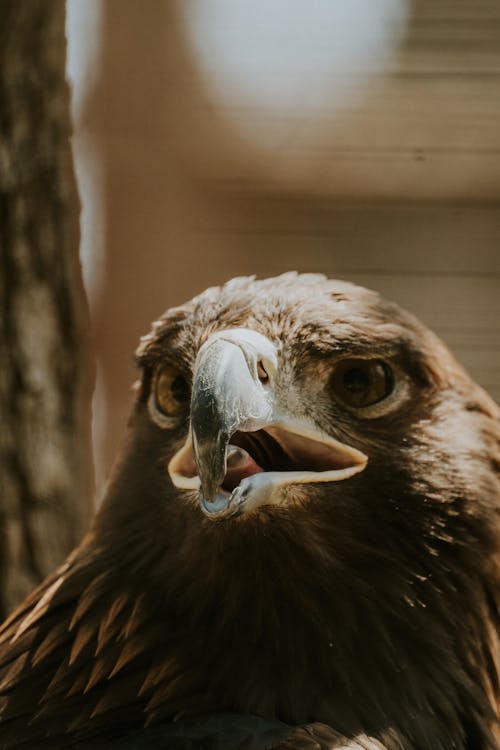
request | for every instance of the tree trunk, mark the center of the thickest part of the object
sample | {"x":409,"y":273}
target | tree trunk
{"x":45,"y":378}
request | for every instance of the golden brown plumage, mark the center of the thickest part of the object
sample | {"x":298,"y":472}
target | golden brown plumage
{"x":367,"y":604}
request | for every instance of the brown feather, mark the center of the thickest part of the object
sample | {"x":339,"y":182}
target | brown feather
{"x":89,"y":599}
{"x":56,"y":638}
{"x":58,"y":681}
{"x":129,"y":652}
{"x":83,"y":636}
{"x":138,"y":617}
{"x":15,"y":672}
{"x":157,"y":674}
{"x":112,"y":623}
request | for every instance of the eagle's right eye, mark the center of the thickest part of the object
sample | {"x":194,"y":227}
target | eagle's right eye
{"x":362,"y":382}
{"x":171,"y":391}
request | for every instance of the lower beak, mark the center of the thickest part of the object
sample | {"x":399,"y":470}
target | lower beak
{"x":236,"y":427}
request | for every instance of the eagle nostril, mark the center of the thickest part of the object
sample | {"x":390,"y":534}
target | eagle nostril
{"x":262,"y":373}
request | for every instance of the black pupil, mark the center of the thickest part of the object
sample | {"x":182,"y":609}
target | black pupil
{"x":180,"y":389}
{"x":363,"y":382}
{"x":356,"y":381}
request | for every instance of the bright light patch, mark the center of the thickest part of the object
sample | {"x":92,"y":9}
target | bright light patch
{"x":83,"y":27}
{"x":83,"y":23}
{"x":290,"y":58}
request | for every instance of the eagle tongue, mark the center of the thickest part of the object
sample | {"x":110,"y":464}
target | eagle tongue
{"x":240,"y":464}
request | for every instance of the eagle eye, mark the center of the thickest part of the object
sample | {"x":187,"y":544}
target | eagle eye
{"x":362,"y":382}
{"x":171,"y":391}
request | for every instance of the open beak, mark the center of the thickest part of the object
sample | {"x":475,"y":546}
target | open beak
{"x":242,"y":448}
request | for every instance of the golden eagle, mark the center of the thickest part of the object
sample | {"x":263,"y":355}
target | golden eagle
{"x":298,"y":547}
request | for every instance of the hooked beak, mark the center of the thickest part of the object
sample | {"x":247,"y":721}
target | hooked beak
{"x":242,"y":449}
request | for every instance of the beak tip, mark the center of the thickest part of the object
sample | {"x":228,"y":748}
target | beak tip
{"x":211,"y":465}
{"x":208,"y":493}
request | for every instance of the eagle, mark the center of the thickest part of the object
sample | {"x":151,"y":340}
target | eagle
{"x":298,"y":546}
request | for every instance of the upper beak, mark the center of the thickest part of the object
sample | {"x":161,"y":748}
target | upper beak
{"x":228,"y":396}
{"x":233,"y":395}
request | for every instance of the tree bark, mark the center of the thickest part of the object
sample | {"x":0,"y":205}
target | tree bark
{"x":45,"y":377}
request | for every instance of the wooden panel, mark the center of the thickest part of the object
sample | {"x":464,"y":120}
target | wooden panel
{"x":383,"y":238}
{"x":427,"y":128}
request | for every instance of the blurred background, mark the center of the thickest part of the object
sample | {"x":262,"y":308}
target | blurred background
{"x":216,"y":138}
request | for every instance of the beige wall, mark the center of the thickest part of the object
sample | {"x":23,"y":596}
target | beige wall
{"x":403,"y":195}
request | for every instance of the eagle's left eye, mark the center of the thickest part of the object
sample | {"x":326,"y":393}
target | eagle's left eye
{"x":171,"y":391}
{"x":362,"y":382}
